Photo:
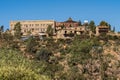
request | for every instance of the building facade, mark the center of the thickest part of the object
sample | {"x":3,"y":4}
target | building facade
{"x":70,"y":32}
{"x":69,"y":28}
{"x":68,"y":23}
{"x":64,"y":29}
{"x":34,"y":27}
{"x":102,"y":29}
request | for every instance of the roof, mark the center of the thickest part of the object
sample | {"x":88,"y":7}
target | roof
{"x":70,"y":20}
{"x":33,"y":21}
{"x":103,"y":26}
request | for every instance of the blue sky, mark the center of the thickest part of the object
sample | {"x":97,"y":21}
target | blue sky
{"x":60,"y":10}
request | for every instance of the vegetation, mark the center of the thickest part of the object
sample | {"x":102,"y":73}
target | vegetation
{"x":31,"y":44}
{"x":1,"y":31}
{"x":17,"y":30}
{"x":15,"y":66}
{"x":43,"y":54}
{"x":80,"y":58}
{"x":92,"y":26}
{"x":49,"y":30}
{"x":103,"y":23}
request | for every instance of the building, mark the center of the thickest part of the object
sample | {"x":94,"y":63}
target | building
{"x":65,"y":29}
{"x":101,"y":29}
{"x":68,"y":23}
{"x":34,"y":27}
{"x":70,"y":32}
{"x":69,"y":28}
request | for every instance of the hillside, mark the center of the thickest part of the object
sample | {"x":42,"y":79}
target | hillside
{"x":79,"y":58}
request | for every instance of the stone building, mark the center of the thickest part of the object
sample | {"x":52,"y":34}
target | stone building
{"x":68,"y":23}
{"x":39,"y":27}
{"x":69,"y":28}
{"x":102,"y":29}
{"x":34,"y":27}
{"x":70,"y":32}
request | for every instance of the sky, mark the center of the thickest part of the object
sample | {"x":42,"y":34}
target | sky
{"x":61,"y":10}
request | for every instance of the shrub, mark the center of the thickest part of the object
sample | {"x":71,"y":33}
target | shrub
{"x":19,"y":73}
{"x":43,"y":54}
{"x":15,"y":66}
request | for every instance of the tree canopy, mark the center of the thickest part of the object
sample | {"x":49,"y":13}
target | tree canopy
{"x":103,"y":23}
{"x":92,"y":26}
{"x":49,"y":30}
{"x":17,"y":29}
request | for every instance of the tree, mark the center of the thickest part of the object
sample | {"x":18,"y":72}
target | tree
{"x":92,"y":26}
{"x":17,"y":29}
{"x":2,"y":29}
{"x":49,"y":30}
{"x":113,"y":29}
{"x":80,"y":23}
{"x":103,"y":23}
{"x":31,"y":44}
{"x":43,"y":54}
{"x":7,"y":36}
{"x":109,"y":27}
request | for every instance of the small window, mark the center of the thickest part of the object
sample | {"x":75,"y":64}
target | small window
{"x":36,"y":24}
{"x":65,"y":32}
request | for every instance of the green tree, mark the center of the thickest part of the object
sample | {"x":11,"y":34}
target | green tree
{"x":43,"y":54}
{"x":1,"y":32}
{"x":31,"y":45}
{"x":109,"y":27}
{"x":2,"y":29}
{"x":80,"y":23}
{"x":49,"y":30}
{"x":17,"y":29}
{"x":113,"y":29}
{"x":92,"y":26}
{"x":7,"y":39}
{"x":103,"y":23}
{"x":7,"y":36}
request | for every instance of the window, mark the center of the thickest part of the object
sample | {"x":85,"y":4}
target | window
{"x":36,"y":24}
{"x":43,"y":24}
{"x":26,"y":25}
{"x":25,"y":30}
{"x":32,"y":29}
{"x":43,"y":30}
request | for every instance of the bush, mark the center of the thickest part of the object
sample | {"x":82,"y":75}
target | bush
{"x":31,"y":45}
{"x":43,"y":54}
{"x":15,"y":66}
{"x":19,"y":73}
